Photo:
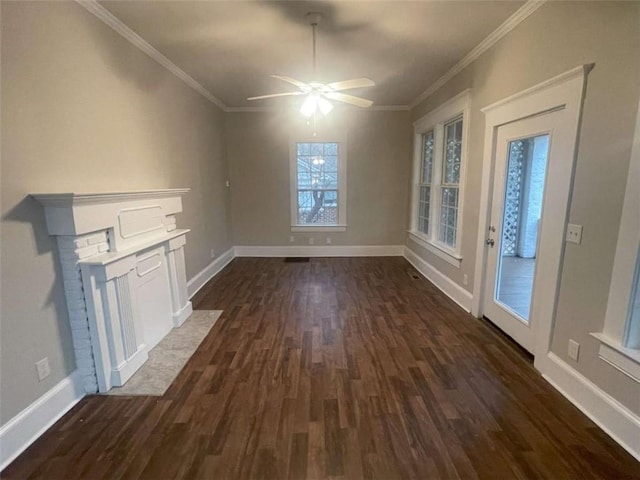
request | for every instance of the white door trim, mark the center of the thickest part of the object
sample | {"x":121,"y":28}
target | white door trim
{"x":565,"y":91}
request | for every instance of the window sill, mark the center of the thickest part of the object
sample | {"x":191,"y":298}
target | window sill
{"x":452,"y":258}
{"x":318,"y":228}
{"x":627,"y":360}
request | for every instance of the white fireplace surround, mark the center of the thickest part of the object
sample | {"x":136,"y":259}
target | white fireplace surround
{"x":124,"y":276}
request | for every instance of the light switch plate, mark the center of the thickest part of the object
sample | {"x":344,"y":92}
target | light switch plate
{"x":574,"y":233}
{"x":574,"y":350}
{"x":43,"y":369}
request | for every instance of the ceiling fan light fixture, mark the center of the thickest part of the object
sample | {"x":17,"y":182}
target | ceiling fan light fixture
{"x":319,"y":96}
{"x":325,"y":105}
{"x":309,"y":105}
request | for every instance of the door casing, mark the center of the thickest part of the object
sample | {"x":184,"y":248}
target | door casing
{"x":552,"y":124}
{"x":563,"y":92}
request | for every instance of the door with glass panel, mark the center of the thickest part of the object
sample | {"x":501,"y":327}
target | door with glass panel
{"x":524,"y":162}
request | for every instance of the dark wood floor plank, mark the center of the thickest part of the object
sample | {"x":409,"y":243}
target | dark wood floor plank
{"x":341,"y":368}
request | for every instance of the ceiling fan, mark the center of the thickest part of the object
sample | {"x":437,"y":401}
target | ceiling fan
{"x":318,"y":94}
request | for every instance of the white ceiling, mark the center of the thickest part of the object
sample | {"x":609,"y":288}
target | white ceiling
{"x":231,"y":47}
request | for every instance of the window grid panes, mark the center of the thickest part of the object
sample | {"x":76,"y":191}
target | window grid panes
{"x":425,"y":205}
{"x":427,"y":157}
{"x":448,"y":216}
{"x":439,"y":171}
{"x":632,"y":339}
{"x":317,"y":183}
{"x":451,"y":161}
{"x":426,"y":178}
{"x":452,"y":152}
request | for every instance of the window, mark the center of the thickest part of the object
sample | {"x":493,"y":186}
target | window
{"x":631,"y":337}
{"x":438,"y":177}
{"x":318,"y":186}
{"x":425,"y":183}
{"x":450,"y":183}
{"x":620,"y":337}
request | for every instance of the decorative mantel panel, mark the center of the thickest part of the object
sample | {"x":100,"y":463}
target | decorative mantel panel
{"x":124,"y":276}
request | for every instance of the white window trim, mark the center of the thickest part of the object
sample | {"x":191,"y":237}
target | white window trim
{"x":320,"y":227}
{"x":612,"y":337}
{"x":341,"y":140}
{"x":627,"y":360}
{"x":435,"y":120}
{"x":446,"y":255}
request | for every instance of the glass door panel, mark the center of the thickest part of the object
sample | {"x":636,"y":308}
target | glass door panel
{"x":523,"y":194}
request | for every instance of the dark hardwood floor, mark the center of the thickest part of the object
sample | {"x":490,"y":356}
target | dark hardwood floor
{"x":337,"y":368}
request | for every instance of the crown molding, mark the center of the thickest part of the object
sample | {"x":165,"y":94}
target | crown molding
{"x":116,"y":24}
{"x":375,"y":108}
{"x":509,"y":24}
{"x":391,"y":108}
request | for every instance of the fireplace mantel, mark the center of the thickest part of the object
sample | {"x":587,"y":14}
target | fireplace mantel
{"x":124,"y":277}
{"x":72,"y":198}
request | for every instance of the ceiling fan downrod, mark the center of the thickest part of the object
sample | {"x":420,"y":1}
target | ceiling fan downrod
{"x":314,"y":20}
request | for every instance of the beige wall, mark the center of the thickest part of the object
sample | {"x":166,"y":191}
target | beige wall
{"x":556,"y":38}
{"x":84,"y":110}
{"x":378,"y":156}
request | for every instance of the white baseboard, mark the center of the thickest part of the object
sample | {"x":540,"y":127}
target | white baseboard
{"x":181,"y":317}
{"x":451,"y":289}
{"x":320,"y":251}
{"x":622,"y":425}
{"x":25,"y":428}
{"x":208,"y":272}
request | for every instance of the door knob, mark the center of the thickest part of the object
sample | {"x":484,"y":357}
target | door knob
{"x":491,"y":242}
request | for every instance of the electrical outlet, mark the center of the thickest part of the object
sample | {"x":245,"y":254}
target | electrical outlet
{"x":574,"y":233}
{"x":292,"y":239}
{"x":328,"y":240}
{"x":43,"y":369}
{"x":311,"y":241}
{"x":574,"y":350}
{"x":465,"y":279}
{"x":213,"y":253}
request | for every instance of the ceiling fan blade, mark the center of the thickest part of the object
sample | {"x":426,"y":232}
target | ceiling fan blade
{"x":350,"y":99}
{"x":293,"y":81}
{"x":275,"y":95}
{"x":353,"y":83}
